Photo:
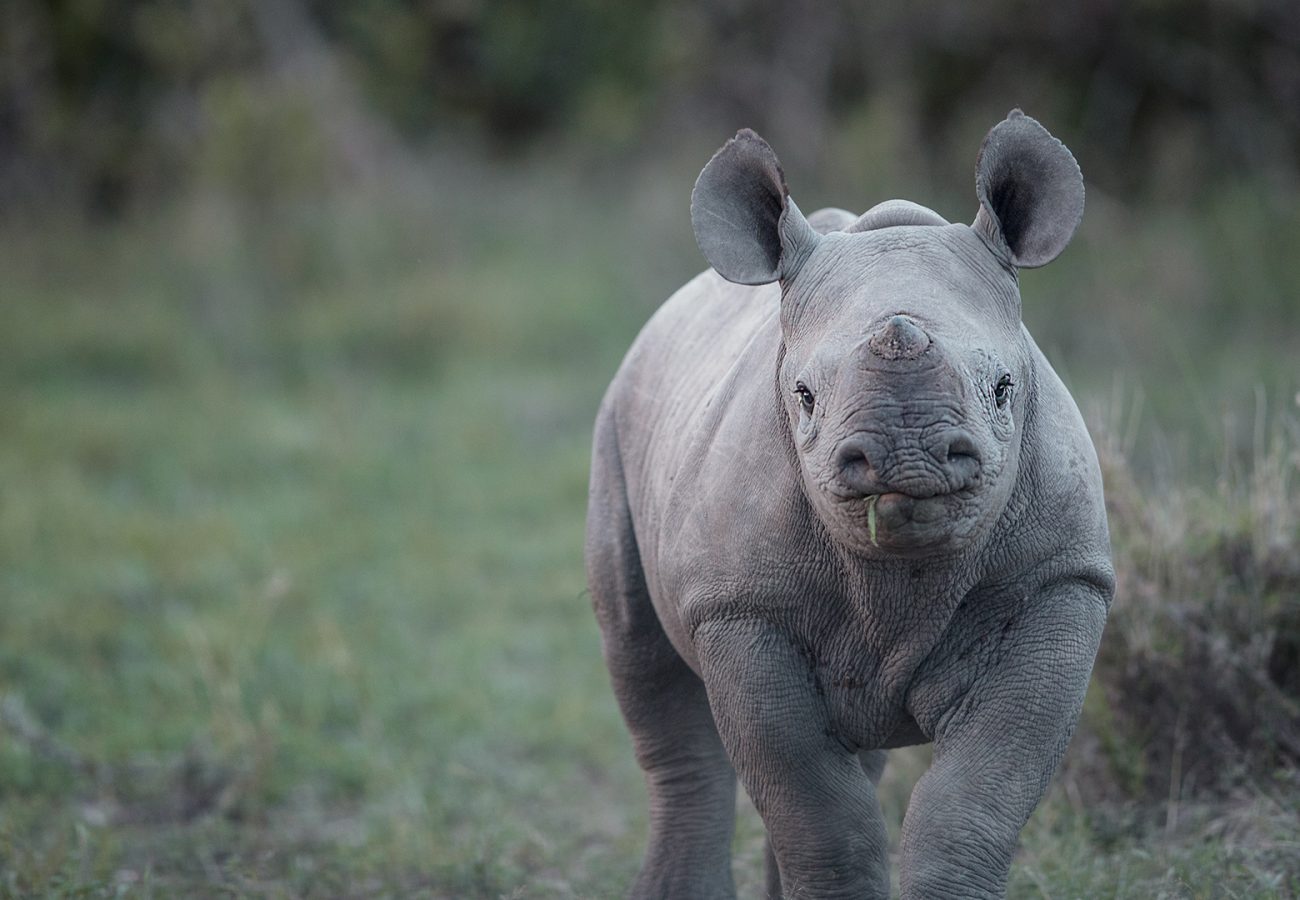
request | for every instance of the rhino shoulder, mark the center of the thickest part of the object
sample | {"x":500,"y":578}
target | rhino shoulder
{"x":1063,"y":507}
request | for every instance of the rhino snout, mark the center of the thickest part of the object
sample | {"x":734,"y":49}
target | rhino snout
{"x":864,"y":465}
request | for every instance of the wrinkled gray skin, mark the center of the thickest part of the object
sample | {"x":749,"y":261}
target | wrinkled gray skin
{"x":848,"y":508}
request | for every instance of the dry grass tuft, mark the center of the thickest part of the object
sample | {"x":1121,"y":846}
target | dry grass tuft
{"x":1196,"y":692}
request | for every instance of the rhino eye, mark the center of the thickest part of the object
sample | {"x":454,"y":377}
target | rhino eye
{"x":806,"y":399}
{"x":1002,"y":390}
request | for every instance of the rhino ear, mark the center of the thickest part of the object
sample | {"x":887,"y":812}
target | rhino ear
{"x":1030,"y":191}
{"x":747,"y":226}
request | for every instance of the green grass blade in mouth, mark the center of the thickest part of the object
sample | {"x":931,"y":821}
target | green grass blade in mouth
{"x":871,"y":518}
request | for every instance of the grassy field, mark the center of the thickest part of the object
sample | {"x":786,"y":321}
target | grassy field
{"x":291,"y":507}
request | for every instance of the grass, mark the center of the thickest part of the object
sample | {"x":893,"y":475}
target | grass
{"x":290,"y":567}
{"x":316,"y":599}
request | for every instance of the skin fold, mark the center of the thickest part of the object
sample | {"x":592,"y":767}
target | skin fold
{"x":840,"y":503}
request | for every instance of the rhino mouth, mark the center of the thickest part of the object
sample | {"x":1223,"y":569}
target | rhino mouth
{"x":926,"y":490}
{"x":895,"y":519}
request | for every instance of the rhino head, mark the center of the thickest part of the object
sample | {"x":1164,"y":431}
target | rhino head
{"x":905,"y":372}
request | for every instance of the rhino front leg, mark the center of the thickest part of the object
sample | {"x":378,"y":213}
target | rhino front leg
{"x":824,"y":826}
{"x":996,"y":748}
{"x":873,"y":764}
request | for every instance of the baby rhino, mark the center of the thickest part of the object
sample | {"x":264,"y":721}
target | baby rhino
{"x":840,"y":502}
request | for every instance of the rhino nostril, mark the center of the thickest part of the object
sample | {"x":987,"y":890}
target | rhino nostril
{"x":960,"y":455}
{"x":851,"y":457}
{"x":962,"y":445}
{"x":854,"y":466}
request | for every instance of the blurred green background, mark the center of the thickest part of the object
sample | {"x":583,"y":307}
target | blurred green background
{"x":305,"y":310}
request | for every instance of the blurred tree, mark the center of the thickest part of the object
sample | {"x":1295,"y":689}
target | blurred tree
{"x":98,"y":97}
{"x":102,"y":101}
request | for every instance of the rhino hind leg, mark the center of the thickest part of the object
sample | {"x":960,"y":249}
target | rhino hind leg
{"x":691,"y":784}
